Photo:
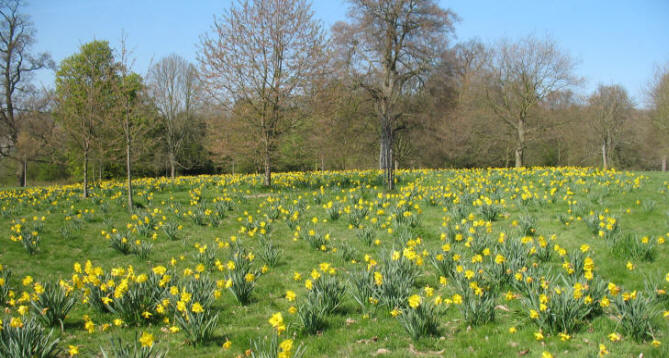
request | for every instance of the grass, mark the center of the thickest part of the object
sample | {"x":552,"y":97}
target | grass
{"x":350,"y":330}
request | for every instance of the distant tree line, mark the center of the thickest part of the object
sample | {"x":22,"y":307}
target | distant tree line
{"x":272,"y":90}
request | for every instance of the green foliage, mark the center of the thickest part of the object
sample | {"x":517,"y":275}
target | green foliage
{"x":199,"y":327}
{"x":269,"y":252}
{"x":5,"y":276}
{"x":121,"y":242}
{"x":269,"y":347}
{"x":133,"y":297}
{"x":27,"y":341}
{"x":242,"y":276}
{"x":630,"y":246}
{"x":311,"y":313}
{"x":171,"y":230}
{"x":636,"y":314}
{"x":118,"y":349}
{"x":53,"y":304}
{"x":420,"y":321}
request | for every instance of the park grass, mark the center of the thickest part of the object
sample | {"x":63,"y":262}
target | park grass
{"x":349,"y":332}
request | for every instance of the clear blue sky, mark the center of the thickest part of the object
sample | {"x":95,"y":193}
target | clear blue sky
{"x":613,"y":41}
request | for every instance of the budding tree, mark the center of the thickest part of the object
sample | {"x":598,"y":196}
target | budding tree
{"x":260,"y":57}
{"x":390,"y":44}
{"x":173,"y":84}
{"x":610,"y":107}
{"x":522,"y":74}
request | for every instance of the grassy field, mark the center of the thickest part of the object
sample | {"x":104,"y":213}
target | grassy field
{"x":567,"y":262}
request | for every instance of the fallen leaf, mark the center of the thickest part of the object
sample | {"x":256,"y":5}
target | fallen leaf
{"x":523,"y":352}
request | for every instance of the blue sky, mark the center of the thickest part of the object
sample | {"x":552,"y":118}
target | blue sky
{"x":613,"y":41}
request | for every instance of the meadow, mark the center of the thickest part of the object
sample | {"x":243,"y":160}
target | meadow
{"x":535,"y":262}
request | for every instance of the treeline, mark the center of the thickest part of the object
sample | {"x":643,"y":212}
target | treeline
{"x":273,"y":91}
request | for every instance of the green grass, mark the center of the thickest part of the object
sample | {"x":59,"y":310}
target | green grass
{"x":349,"y":331}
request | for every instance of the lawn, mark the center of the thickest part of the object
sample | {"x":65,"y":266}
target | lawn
{"x":568,"y":262}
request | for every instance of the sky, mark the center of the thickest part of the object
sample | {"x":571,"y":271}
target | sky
{"x":612,"y":42}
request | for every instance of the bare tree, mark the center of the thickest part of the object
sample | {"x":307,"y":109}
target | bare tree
{"x":129,"y":116}
{"x":262,"y":54}
{"x":391,"y":43}
{"x":659,"y":104}
{"x":522,"y":74}
{"x":610,"y":107}
{"x":36,"y":133}
{"x":16,"y":63}
{"x":172,"y":85}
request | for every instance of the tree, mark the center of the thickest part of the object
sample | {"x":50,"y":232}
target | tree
{"x":36,"y":133}
{"x":173,"y":84}
{"x":659,"y":103}
{"x":128,"y":91}
{"x":17,"y":35}
{"x":260,"y":58}
{"x":610,"y":108}
{"x":84,"y":91}
{"x":521,"y":75}
{"x":392,"y":43}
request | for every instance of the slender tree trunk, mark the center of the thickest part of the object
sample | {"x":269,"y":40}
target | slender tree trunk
{"x":86,"y":174}
{"x":268,"y":169}
{"x":387,"y":141}
{"x":21,"y":172}
{"x":605,"y":164}
{"x":129,"y":173}
{"x":520,"y":149}
{"x":664,"y":163}
{"x":25,"y":172}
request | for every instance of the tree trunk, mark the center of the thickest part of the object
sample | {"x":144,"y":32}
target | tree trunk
{"x":25,"y":172}
{"x":387,"y":154}
{"x":21,"y":173}
{"x":520,"y":149}
{"x":605,"y":164}
{"x":382,"y":153}
{"x":86,"y":174}
{"x":664,"y":163}
{"x":172,"y":166}
{"x":268,"y":169}
{"x":129,"y":173}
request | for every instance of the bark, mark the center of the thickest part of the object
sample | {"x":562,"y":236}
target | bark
{"x":387,"y":154}
{"x":128,"y":171}
{"x":24,"y":172}
{"x":86,"y":174}
{"x":268,"y":169}
{"x":664,"y":163}
{"x":520,"y":149}
{"x":605,"y":164}
{"x":172,"y":166}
